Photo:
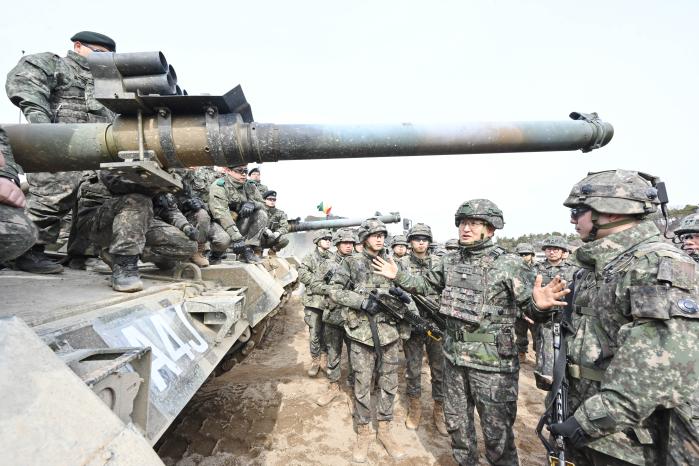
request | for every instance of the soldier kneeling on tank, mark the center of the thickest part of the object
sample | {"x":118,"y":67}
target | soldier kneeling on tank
{"x":17,"y":231}
{"x":236,"y":204}
{"x":688,"y":235}
{"x":274,"y":236}
{"x":129,"y":221}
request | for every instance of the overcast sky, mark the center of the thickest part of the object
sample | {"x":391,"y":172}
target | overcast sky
{"x":633,"y":62}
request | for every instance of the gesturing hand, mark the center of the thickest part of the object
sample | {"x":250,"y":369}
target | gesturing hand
{"x":546,"y":297}
{"x":388,"y":269}
{"x":10,"y":194}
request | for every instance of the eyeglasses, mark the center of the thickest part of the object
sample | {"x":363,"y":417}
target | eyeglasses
{"x":577,"y":212}
{"x":241,"y":171}
{"x":94,"y":49}
{"x":689,"y":236}
{"x":273,"y":199}
{"x":472,"y":223}
{"x":423,"y":239}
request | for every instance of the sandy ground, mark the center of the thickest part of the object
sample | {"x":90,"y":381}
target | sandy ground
{"x":263,"y":412}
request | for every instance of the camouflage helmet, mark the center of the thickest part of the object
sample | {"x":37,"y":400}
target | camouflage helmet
{"x":615,"y":192}
{"x":420,"y":229}
{"x":554,"y":242}
{"x":524,"y":248}
{"x":689,"y":224}
{"x":399,"y":240}
{"x":344,"y":235}
{"x":481,"y":209}
{"x":452,"y":244}
{"x":320,"y":234}
{"x":371,"y":226}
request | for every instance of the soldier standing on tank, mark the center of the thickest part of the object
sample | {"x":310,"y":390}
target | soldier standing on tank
{"x":399,"y":247}
{"x":238,"y":207}
{"x":419,"y":262}
{"x":554,"y":265}
{"x":524,"y":324}
{"x":353,"y":282}
{"x":275,"y":234}
{"x":193,"y":202}
{"x":688,"y":235}
{"x":632,"y":332}
{"x":344,"y":240}
{"x":17,"y":231}
{"x":254,"y":177}
{"x":52,"y":89}
{"x":483,"y":289}
{"x":313,"y":303}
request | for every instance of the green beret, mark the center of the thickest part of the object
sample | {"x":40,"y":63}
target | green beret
{"x":256,"y":169}
{"x":95,"y":38}
{"x":269,"y":193}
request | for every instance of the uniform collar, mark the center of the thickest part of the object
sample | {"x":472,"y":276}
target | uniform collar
{"x":600,"y":252}
{"x":418,"y":261}
{"x":479,"y":249}
{"x":79,"y":59}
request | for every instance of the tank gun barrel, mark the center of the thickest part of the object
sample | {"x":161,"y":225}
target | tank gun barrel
{"x":222,"y":139}
{"x":393,"y":217}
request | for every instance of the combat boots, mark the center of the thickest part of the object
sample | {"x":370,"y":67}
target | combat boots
{"x":412,"y":421}
{"x":361,"y":446}
{"x":438,"y":417}
{"x":36,"y":261}
{"x":389,"y":443}
{"x":315,"y":366}
{"x":125,"y":275}
{"x":332,"y":393}
{"x":249,"y":256}
{"x":198,"y":257}
{"x":215,"y":258}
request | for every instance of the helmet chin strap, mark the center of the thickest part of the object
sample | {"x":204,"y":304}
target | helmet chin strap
{"x":596,"y":225}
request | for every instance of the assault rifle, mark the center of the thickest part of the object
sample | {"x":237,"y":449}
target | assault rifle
{"x":395,"y":304}
{"x":429,"y":307}
{"x":557,"y":409}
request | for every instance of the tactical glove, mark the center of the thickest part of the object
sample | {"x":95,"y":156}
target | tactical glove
{"x":370,"y":305}
{"x":571,"y":430}
{"x":192,"y":204}
{"x":190,"y":231}
{"x":400,"y":294}
{"x":247,"y":209}
{"x":238,"y":247}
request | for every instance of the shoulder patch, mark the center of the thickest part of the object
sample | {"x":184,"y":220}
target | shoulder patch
{"x":220,"y":182}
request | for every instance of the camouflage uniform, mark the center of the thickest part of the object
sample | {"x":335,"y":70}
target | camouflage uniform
{"x":17,"y":231}
{"x":333,"y":315}
{"x":313,"y":303}
{"x":226,"y":197}
{"x":482,"y":289}
{"x":633,"y":344}
{"x":53,"y":89}
{"x":196,"y":182}
{"x":522,"y":327}
{"x":353,"y":280}
{"x":543,"y":371}
{"x":413,"y":346}
{"x":276,"y":223}
{"x":119,"y":215}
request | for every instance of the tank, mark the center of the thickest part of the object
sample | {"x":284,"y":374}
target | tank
{"x":122,"y":367}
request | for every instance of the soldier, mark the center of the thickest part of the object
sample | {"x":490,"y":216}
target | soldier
{"x":313,"y":303}
{"x":129,"y":221}
{"x":17,"y":231}
{"x":359,"y":247}
{"x":451,"y":245}
{"x":254,"y":176}
{"x":193,"y":202}
{"x":554,"y":265}
{"x":688,"y":234}
{"x":482,"y":290}
{"x":52,"y":89}
{"x":275,"y":235}
{"x":237,"y":206}
{"x":353,"y":281}
{"x":524,"y":324}
{"x":334,"y":315}
{"x":633,"y":335}
{"x":419,"y":262}
{"x":399,"y":247}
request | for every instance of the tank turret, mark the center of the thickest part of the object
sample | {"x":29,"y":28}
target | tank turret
{"x":298,"y":225}
{"x":159,"y":127}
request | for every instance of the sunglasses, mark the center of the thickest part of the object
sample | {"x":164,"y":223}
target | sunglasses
{"x":577,"y":212}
